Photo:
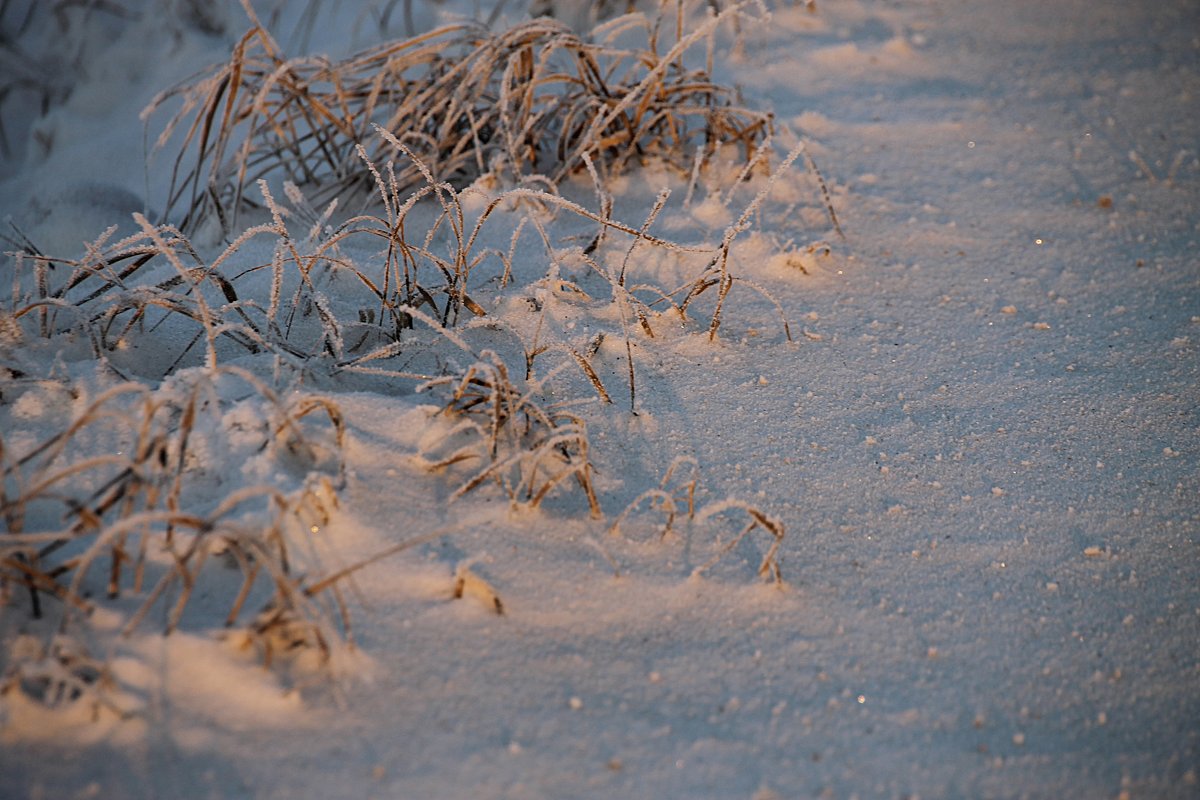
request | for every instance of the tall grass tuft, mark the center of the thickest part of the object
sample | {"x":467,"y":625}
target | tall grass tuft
{"x":144,"y":516}
{"x":532,"y":100}
{"x":200,"y":350}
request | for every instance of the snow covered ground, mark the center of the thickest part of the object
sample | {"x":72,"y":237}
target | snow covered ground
{"x":983,"y":444}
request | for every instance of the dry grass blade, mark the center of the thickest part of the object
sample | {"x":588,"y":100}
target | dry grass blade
{"x":590,"y":372}
{"x":330,"y":580}
{"x":769,"y":566}
{"x":671,"y":493}
{"x":725,"y":281}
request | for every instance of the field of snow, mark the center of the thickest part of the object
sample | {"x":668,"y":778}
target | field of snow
{"x":906,"y":504}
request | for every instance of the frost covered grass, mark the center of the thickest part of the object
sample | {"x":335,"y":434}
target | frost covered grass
{"x":634,"y":481}
{"x":522,"y":105}
{"x":145,"y":520}
{"x":170,"y":361}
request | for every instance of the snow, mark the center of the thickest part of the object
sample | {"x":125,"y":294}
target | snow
{"x":982,"y":443}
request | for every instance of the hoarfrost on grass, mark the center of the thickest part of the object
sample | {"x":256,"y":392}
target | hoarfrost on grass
{"x":978,"y":441}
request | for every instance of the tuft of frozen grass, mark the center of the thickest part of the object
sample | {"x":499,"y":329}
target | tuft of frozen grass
{"x":525,"y":448}
{"x":205,"y":357}
{"x":80,"y":525}
{"x":529,"y":102}
{"x":66,"y":514}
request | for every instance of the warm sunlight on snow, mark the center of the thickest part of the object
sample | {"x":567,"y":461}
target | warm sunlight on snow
{"x":527,"y":399}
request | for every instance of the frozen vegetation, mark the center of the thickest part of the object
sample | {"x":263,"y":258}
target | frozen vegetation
{"x":403,"y":398}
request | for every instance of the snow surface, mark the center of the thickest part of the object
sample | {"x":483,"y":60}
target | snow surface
{"x":984,"y":444}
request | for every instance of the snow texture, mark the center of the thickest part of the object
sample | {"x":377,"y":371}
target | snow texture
{"x":983,"y":443}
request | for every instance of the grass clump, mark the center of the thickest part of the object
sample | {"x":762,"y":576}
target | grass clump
{"x":148,"y":519}
{"x":528,"y":101}
{"x":206,"y":357}
{"x":525,"y":448}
